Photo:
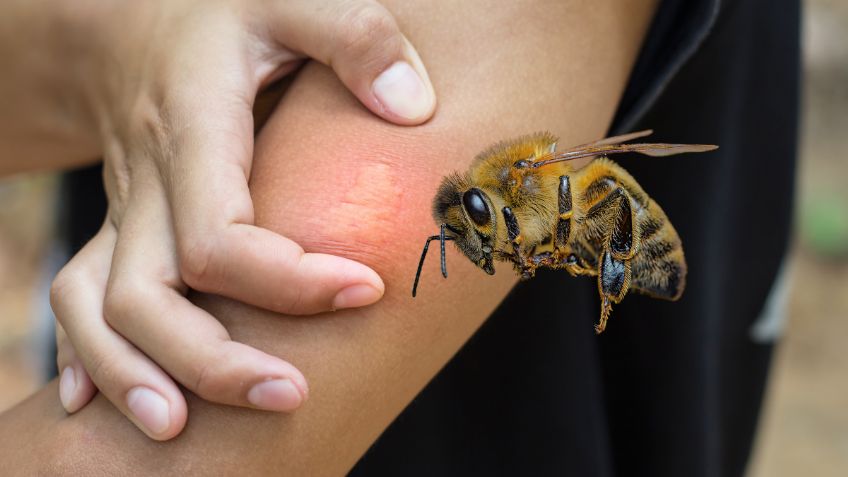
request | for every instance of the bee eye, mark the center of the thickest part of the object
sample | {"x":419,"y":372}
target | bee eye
{"x":476,"y":207}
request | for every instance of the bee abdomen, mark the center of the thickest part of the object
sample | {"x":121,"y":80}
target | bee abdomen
{"x":658,"y":249}
{"x":649,"y":227}
{"x":598,"y":189}
{"x":601,"y":186}
{"x":659,"y":269}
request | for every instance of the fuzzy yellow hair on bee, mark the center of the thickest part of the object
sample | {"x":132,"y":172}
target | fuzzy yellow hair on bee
{"x":521,"y":202}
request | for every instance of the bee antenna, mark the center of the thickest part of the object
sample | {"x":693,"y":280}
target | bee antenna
{"x":442,"y":239}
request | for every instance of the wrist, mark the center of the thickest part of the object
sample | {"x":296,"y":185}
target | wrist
{"x":76,"y":48}
{"x":44,"y":97}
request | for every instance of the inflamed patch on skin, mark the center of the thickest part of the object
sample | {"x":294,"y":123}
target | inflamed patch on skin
{"x":372,"y":202}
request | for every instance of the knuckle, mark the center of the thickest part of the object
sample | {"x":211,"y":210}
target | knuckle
{"x":207,"y":385}
{"x":123,"y":300}
{"x":296,"y":303}
{"x":195,"y":262}
{"x":102,"y":369}
{"x":365,"y":28}
{"x":64,"y":285}
{"x":210,"y":377}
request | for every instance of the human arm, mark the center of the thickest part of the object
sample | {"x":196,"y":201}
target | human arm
{"x":163,"y":90}
{"x":332,"y":177}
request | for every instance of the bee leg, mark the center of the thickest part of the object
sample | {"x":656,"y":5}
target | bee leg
{"x":621,"y":241}
{"x":543,"y":259}
{"x":568,"y":260}
{"x":614,"y":214}
{"x":575,"y":266}
{"x":563,"y":225}
{"x":613,"y":284}
{"x":606,"y":309}
{"x":513,"y":232}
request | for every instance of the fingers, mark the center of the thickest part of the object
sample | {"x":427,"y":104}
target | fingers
{"x":133,"y":383}
{"x":197,"y":351}
{"x":75,"y":386}
{"x":363,"y":44}
{"x":219,"y":249}
{"x":141,"y":318}
{"x":270,"y":271}
{"x":143,"y":304}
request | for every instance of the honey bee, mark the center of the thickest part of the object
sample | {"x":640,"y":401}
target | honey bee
{"x":522,"y":202}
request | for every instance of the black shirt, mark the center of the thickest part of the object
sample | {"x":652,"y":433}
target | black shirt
{"x":670,"y":389}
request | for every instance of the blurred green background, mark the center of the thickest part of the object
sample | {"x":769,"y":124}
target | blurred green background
{"x":804,"y":426}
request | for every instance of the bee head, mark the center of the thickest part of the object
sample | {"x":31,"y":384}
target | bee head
{"x":469,"y":215}
{"x":466,"y":216}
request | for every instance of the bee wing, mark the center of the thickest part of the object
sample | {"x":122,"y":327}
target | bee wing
{"x":607,"y":149}
{"x":615,"y":139}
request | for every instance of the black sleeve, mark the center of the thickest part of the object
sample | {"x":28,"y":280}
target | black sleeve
{"x":671,"y":388}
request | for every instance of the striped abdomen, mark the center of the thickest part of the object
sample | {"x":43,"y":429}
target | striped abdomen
{"x":659,"y":267}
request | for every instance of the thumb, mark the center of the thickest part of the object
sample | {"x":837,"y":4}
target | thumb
{"x":363,"y":44}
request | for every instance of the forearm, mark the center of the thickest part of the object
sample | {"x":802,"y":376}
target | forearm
{"x":42,"y":120}
{"x":336,"y":179}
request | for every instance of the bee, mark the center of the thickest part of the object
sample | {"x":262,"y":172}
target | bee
{"x":522,"y":202}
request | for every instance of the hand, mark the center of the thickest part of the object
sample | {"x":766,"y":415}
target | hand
{"x":170,"y":87}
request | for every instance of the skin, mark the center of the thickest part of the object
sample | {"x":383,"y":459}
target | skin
{"x":335,"y":179}
{"x":163,"y":91}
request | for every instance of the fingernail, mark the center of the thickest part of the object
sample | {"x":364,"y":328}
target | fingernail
{"x":275,"y":395}
{"x":67,"y":387}
{"x":402,"y":91}
{"x":151,"y":409}
{"x":356,"y":296}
